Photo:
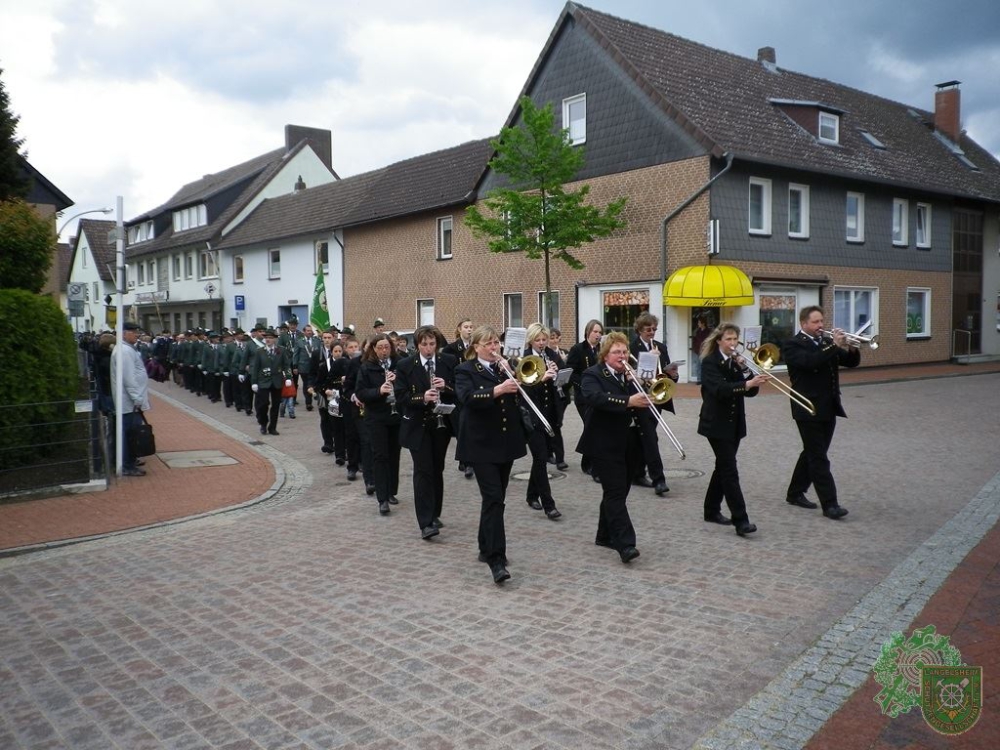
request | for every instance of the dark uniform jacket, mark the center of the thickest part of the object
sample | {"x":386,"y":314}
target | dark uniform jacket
{"x":411,"y":384}
{"x":456,"y":349}
{"x":544,"y":396}
{"x":581,"y":356}
{"x":723,"y":388}
{"x":491,"y":430}
{"x":637,"y":347}
{"x":814,"y":371}
{"x":370,"y":378}
{"x":607,"y":419}
{"x":270,"y":371}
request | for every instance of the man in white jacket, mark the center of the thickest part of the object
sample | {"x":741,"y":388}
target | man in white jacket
{"x":135,"y":394}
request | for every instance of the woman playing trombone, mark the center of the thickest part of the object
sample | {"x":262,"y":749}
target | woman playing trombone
{"x":724,"y":385}
{"x":543,"y":394}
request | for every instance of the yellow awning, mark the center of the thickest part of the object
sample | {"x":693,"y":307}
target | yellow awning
{"x":708,"y":286}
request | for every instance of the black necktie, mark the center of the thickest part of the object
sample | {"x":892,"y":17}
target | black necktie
{"x":496,"y":369}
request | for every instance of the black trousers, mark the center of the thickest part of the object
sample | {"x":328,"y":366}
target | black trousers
{"x":228,"y":392}
{"x":428,"y":473}
{"x":352,"y":439}
{"x":267,"y":402}
{"x":492,"y":480}
{"x":538,"y":483}
{"x":213,"y":386}
{"x":813,"y":466}
{"x":648,"y":427}
{"x":235,"y":395}
{"x":326,"y":427}
{"x":614,"y":526}
{"x":307,"y":381}
{"x":248,"y":396}
{"x":725,"y":482}
{"x":384,"y":439}
{"x":365,"y":452}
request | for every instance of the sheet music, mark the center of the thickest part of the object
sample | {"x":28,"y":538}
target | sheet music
{"x":514,"y":341}
{"x":648,"y":364}
{"x":563,"y":376}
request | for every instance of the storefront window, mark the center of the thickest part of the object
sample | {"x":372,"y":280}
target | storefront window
{"x":622,"y":307}
{"x":778,"y":317}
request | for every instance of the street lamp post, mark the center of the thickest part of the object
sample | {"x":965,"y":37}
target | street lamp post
{"x":59,"y":231}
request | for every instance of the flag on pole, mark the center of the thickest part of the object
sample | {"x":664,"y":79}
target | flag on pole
{"x":319,"y":316}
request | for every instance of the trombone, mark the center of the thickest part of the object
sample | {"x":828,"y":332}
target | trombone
{"x":761,"y":361}
{"x":651,"y":405}
{"x":661,"y":388}
{"x":532,"y":364}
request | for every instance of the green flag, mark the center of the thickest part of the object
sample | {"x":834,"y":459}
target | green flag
{"x":319,"y":317}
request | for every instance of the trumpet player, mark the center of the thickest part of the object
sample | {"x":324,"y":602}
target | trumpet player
{"x":814,"y":362}
{"x":543,"y":394}
{"x":375,"y":390}
{"x":646,"y":326}
{"x":423,"y":381}
{"x":724,"y":386}
{"x":611,"y":439}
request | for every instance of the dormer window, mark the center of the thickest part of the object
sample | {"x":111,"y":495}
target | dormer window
{"x":190,"y":217}
{"x":140,"y":232}
{"x":829,"y":127}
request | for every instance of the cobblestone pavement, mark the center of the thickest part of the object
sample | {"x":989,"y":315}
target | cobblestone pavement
{"x":309,"y":621}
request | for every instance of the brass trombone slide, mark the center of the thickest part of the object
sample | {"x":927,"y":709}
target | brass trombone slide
{"x":761,"y":361}
{"x":651,"y":405}
{"x":510,"y":374}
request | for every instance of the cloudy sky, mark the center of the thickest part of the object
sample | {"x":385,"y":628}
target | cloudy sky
{"x":138,"y":97}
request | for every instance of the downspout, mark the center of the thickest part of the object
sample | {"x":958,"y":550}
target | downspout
{"x":343,"y":279}
{"x":669,"y":217}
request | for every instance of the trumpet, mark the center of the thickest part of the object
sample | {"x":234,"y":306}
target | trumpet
{"x":652,"y":406}
{"x":761,"y":361}
{"x":855,"y":340}
{"x":503,"y":365}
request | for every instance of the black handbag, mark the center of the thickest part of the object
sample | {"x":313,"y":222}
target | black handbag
{"x":141,"y":440}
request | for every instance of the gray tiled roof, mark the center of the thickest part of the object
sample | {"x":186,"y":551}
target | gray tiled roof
{"x":724,"y":100}
{"x":423,"y":183}
{"x":103,"y":250}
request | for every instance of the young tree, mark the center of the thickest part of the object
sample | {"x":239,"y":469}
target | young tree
{"x":534,"y":213}
{"x":26,"y":243}
{"x":13,"y":184}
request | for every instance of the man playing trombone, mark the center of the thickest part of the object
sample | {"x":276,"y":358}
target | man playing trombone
{"x":813,"y":363}
{"x":645,"y":341}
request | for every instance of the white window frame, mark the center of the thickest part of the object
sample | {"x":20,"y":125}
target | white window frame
{"x":321,"y":248}
{"x":508,"y":320}
{"x":922,"y":233}
{"x":188,"y":265}
{"x":575,"y":128}
{"x":900,"y":222}
{"x":140,"y":273}
{"x":803,"y":191}
{"x":854,"y":322}
{"x":765,"y":201}
{"x":925,"y":331}
{"x":274,"y":263}
{"x":239,"y":269}
{"x":859,"y":228}
{"x":828,"y":120}
{"x":445,"y":237}
{"x":425,"y":313}
{"x":542,"y":312}
{"x":151,"y":271}
{"x":207,"y":267}
{"x":175,"y":261}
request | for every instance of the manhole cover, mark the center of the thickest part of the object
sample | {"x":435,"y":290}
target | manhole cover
{"x":683,"y":473}
{"x":524,"y":476}
{"x":195,"y":459}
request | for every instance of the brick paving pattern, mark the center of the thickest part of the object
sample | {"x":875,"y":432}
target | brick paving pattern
{"x":308,"y":621}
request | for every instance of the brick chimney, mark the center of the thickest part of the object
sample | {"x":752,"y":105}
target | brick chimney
{"x":321,"y":140}
{"x":947,"y":109}
{"x":767,"y":55}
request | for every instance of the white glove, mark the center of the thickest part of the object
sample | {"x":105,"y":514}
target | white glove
{"x":242,"y":377}
{"x":254,"y":387}
{"x":288,"y":382}
{"x":226,"y":374}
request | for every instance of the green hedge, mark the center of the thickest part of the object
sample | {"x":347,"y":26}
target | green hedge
{"x":38,"y":369}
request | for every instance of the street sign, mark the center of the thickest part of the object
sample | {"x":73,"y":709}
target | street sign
{"x":76,"y":308}
{"x":76,"y":292}
{"x":240,"y":302}
{"x":210,"y":289}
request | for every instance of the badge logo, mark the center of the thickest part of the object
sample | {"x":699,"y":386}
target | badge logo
{"x":951,"y":698}
{"x":898,"y":667}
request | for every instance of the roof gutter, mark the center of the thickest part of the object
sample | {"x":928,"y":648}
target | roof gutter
{"x":687,"y":202}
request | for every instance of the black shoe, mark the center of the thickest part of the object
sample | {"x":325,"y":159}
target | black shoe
{"x":535,"y":504}
{"x":801,"y":500}
{"x":834,"y":512}
{"x":745,"y":528}
{"x":461,"y":466}
{"x":340,"y":461}
{"x":603,"y":543}
{"x":500,"y":573}
{"x":249,"y":412}
{"x":585,"y":469}
{"x":661,"y":488}
{"x":562,"y":466}
{"x":140,"y":462}
{"x":351,"y":475}
{"x":642,"y":481}
{"x":383,"y":508}
{"x":309,"y":407}
{"x":370,"y":489}
{"x":291,"y":416}
{"x":438,"y":523}
{"x":273,"y":432}
{"x":393,"y":500}
{"x":263,"y":430}
{"x":428,"y":531}
{"x":628,"y":554}
{"x":595,"y":478}
{"x":133,"y":472}
{"x":553,"y":514}
{"x":468,"y":472}
{"x":719,"y":519}
{"x":327,"y":449}
{"x":551,"y":459}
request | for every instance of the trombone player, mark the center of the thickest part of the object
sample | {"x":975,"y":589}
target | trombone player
{"x":645,"y":341}
{"x":814,"y":361}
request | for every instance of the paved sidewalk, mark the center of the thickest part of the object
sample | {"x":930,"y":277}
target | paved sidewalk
{"x":308,"y":621}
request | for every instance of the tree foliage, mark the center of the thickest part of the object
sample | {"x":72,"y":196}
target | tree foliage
{"x":13,"y":183}
{"x":26,"y":247}
{"x":534,"y":213}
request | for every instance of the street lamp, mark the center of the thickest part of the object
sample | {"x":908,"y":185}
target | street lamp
{"x":59,"y":231}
